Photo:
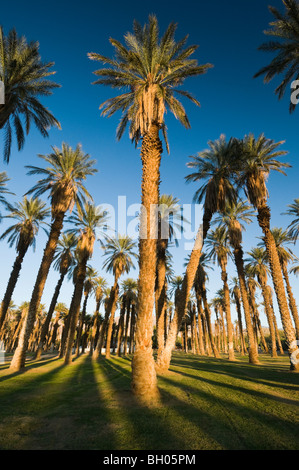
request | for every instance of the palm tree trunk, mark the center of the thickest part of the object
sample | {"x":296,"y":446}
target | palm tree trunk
{"x":269,"y":314}
{"x":264,"y":222}
{"x":164,"y":358}
{"x":121,"y":326}
{"x":144,"y":380}
{"x":160,"y":292}
{"x":231,"y":354}
{"x":18,"y":360}
{"x":208,"y":320}
{"x":81,"y":325}
{"x":95,"y":328}
{"x":113,"y":302}
{"x":75,"y":309}
{"x":127,"y":326}
{"x":46,"y":324}
{"x":252,"y":349}
{"x":292,"y":301}
{"x":13,"y":278}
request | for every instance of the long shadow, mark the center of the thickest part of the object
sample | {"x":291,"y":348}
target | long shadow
{"x":59,"y":409}
{"x":151,"y":429}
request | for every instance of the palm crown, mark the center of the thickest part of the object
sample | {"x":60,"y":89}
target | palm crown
{"x":25,"y":78}
{"x":151,"y":69}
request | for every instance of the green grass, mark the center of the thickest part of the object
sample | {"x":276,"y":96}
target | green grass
{"x":207,"y":404}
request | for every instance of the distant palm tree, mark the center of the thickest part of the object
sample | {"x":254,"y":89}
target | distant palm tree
{"x":285,"y":45}
{"x":150,"y":70}
{"x":25,"y":79}
{"x":233,"y":217}
{"x":100,"y":285}
{"x":119,"y":254}
{"x":214,"y":166}
{"x":29,"y":214}
{"x":63,"y":260}
{"x":219,"y":250}
{"x":236,"y":295}
{"x":129,"y":287}
{"x":86,"y":222}
{"x":64,"y":179}
{"x":3,"y":189}
{"x":257,"y":158}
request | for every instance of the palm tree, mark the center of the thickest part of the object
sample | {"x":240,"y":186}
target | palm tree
{"x":257,"y":158}
{"x":25,"y":79}
{"x":63,"y":177}
{"x":63,"y":260}
{"x":129,"y":287}
{"x":283,"y":239}
{"x":259,"y":268}
{"x":294,"y":225}
{"x":29,"y":215}
{"x":285,"y":45}
{"x":150,"y":70}
{"x":87,"y":221}
{"x":100,"y":286}
{"x":214,"y":165}
{"x":236,"y":295}
{"x":169,"y":221}
{"x":3,"y":189}
{"x":217,"y":242}
{"x":233,"y":217}
{"x":89,"y":288}
{"x":119,"y":255}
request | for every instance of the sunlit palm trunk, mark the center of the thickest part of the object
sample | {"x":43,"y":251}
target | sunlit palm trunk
{"x":231,"y":353}
{"x":75,"y":309}
{"x":163,"y":359}
{"x":45,"y":327}
{"x":160,"y":293}
{"x":277,"y":278}
{"x":113,"y":302}
{"x":270,"y":315}
{"x":18,"y":361}
{"x":95,"y":327}
{"x":209,"y":324}
{"x":252,"y":348}
{"x":144,"y":380}
{"x":11,"y":284}
{"x":292,"y":301}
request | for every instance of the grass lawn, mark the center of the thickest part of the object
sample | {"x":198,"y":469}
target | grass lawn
{"x":207,"y":404}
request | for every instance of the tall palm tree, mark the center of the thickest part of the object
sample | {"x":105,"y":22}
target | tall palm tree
{"x":150,"y":70}
{"x":25,"y":79}
{"x":233,"y":218}
{"x":100,"y":286}
{"x":213,"y":165}
{"x":259,"y":267}
{"x":87,"y":221}
{"x":217,"y":243}
{"x":63,"y":178}
{"x":119,"y":254}
{"x":63,"y":260}
{"x":284,"y":45}
{"x":89,"y":288}
{"x":29,"y":215}
{"x":169,"y":222}
{"x":283,"y":239}
{"x":257,"y":158}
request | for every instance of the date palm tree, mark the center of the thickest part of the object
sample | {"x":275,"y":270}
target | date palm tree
{"x":219,"y":251}
{"x":100,"y":286}
{"x":87,"y":221}
{"x":233,"y":218}
{"x":259,"y":267}
{"x":63,"y":260}
{"x":257,"y":158}
{"x":119,"y":254}
{"x":285,"y":43}
{"x":29,"y":215}
{"x":150,"y":71}
{"x":294,"y":225}
{"x":25,"y":79}
{"x":214,"y":166}
{"x":63,"y":177}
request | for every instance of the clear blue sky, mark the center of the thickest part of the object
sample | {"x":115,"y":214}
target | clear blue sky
{"x":232,"y":103}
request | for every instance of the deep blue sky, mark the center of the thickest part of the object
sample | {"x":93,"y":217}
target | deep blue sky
{"x":232,"y":103}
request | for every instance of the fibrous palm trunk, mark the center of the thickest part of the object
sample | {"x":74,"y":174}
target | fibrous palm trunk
{"x":292,"y":301}
{"x":277,"y":278}
{"x":13,"y":278}
{"x":18,"y":361}
{"x":144,"y":380}
{"x":231,"y":353}
{"x":113,"y":302}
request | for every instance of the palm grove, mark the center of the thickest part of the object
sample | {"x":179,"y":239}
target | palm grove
{"x":230,"y":181}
